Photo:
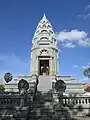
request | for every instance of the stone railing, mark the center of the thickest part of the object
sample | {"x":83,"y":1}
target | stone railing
{"x":9,"y":100}
{"x":25,"y":106}
{"x":76,"y":100}
{"x":14,"y":100}
{"x":10,"y":107}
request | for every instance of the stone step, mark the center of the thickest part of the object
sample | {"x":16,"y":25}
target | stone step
{"x":45,"y":83}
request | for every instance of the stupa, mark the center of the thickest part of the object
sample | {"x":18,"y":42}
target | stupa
{"x":45,"y":62}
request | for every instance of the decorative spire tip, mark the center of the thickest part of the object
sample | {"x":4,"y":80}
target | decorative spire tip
{"x":44,"y":16}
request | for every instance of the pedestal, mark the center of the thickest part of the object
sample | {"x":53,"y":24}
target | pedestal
{"x":45,"y":83}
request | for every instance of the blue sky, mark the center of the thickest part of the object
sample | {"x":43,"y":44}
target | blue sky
{"x":70,"y":20}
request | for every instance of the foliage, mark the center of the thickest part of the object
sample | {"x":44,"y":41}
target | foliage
{"x":8,"y":77}
{"x":86,"y":72}
{"x":2,"y":88}
{"x":87,"y":89}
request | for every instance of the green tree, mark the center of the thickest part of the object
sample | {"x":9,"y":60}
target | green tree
{"x":87,"y":89}
{"x":86,"y":72}
{"x":8,"y":77}
{"x":2,"y":88}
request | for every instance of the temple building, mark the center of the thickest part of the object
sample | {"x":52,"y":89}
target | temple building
{"x":44,"y":61}
{"x":44,"y":52}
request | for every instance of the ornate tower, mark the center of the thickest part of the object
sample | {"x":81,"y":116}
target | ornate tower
{"x":44,"y":51}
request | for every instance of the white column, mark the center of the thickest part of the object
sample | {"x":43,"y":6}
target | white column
{"x":50,"y":65}
{"x":78,"y":101}
{"x":33,"y":62}
{"x":57,"y":63}
{"x":81,"y":101}
{"x":87,"y":101}
{"x":57,"y":66}
{"x":37,"y":65}
{"x":64,"y":101}
{"x":54,"y":66}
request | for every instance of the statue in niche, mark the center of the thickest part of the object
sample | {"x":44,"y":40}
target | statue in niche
{"x":45,"y":70}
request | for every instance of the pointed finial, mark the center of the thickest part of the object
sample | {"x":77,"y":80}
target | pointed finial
{"x":44,"y":16}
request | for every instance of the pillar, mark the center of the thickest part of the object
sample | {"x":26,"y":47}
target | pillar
{"x":50,"y":65}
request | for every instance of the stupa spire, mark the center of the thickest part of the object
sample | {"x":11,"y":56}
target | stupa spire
{"x":44,"y":16}
{"x":44,"y":45}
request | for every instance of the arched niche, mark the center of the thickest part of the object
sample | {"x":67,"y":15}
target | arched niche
{"x":44,"y":52}
{"x":43,"y":60}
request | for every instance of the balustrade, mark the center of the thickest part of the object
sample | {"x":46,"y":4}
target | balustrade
{"x":18,"y":102}
{"x":76,"y":100}
{"x":11,"y":101}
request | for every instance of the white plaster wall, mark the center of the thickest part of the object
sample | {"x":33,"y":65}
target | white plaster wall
{"x":57,"y":63}
{"x":53,"y":52}
{"x":33,"y":62}
{"x":44,"y":24}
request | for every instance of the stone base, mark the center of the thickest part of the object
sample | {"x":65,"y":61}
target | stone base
{"x":45,"y":83}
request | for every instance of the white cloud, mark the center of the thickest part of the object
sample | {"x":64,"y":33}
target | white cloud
{"x":85,"y":80}
{"x":88,"y":63}
{"x":84,"y":67}
{"x":69,"y":45}
{"x":84,"y":16}
{"x":75,"y":66}
{"x":59,"y":51}
{"x":12,"y":63}
{"x":87,"y":7}
{"x":73,"y":37}
{"x":87,"y":15}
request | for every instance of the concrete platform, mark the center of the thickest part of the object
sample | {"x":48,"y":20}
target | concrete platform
{"x":45,"y":83}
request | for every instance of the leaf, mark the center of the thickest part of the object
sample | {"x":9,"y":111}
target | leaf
{"x":86,"y":72}
{"x":2,"y":88}
{"x":87,"y":89}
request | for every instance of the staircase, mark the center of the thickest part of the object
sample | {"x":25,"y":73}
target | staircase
{"x":45,"y":83}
